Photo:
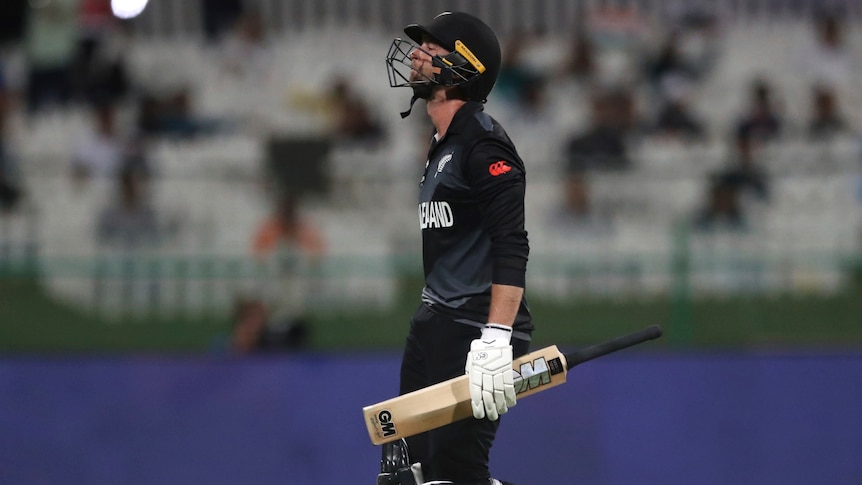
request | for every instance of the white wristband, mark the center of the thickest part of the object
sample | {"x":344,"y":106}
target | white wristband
{"x":497,"y":332}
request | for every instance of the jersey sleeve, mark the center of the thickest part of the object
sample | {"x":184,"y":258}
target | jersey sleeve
{"x":497,"y":178}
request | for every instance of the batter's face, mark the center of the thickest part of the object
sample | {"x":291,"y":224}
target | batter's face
{"x":420,"y":58}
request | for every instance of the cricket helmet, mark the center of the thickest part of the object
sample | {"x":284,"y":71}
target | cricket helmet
{"x":472,"y":64}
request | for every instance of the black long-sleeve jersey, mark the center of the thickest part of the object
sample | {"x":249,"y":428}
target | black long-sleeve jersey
{"x":471,"y":212}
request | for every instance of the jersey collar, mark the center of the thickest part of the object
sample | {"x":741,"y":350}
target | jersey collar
{"x":463,"y":115}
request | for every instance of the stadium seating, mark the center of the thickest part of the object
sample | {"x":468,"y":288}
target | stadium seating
{"x":212,"y":183}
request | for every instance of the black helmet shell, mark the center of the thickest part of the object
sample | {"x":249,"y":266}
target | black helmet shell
{"x":449,"y":28}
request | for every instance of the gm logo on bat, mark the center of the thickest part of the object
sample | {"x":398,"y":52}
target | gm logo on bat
{"x":532,"y":375}
{"x":384,"y":417}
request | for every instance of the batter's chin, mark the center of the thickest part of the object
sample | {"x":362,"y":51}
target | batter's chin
{"x":423,"y":91}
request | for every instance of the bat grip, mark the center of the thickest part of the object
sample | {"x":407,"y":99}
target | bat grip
{"x":619,"y":343}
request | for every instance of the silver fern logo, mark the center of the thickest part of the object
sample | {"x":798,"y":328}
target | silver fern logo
{"x":442,"y":163}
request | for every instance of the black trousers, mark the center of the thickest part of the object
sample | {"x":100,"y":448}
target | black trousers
{"x":435,"y":351}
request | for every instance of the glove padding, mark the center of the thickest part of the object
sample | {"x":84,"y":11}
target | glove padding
{"x":489,"y":368}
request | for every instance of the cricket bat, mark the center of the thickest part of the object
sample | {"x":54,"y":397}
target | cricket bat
{"x":449,"y":401}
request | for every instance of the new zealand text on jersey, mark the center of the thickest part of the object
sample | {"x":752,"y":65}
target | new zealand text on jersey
{"x":435,"y":214}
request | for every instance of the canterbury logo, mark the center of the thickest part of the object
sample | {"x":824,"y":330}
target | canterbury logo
{"x":498,"y":168}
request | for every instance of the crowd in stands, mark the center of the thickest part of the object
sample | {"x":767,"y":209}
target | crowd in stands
{"x":639,"y":84}
{"x":643,"y":87}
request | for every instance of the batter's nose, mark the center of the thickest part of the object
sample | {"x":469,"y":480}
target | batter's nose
{"x":416,"y":53}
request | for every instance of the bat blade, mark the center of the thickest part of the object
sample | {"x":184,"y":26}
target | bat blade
{"x":449,"y":401}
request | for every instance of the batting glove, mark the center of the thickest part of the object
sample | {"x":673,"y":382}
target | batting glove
{"x":489,"y":367}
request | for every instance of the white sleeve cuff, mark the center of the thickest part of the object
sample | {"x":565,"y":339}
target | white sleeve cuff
{"x":497,"y":332}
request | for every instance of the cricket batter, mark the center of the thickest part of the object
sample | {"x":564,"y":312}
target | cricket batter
{"x":473,"y":317}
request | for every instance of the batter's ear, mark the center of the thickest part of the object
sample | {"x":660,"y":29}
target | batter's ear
{"x":456,"y":92}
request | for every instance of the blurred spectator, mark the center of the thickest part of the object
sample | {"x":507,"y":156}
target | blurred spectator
{"x":293,"y":246}
{"x":10,"y":185}
{"x":354,"y":121}
{"x":253,"y":329}
{"x":50,"y":45}
{"x":100,"y":151}
{"x":104,"y":150}
{"x":616,"y":31}
{"x":722,"y":208}
{"x":286,"y":230}
{"x":517,"y":83}
{"x":675,"y":118}
{"x":532,"y":100}
{"x":130,"y":221}
{"x":219,"y":16}
{"x":246,"y":51}
{"x":826,"y":120}
{"x":762,"y":120}
{"x":668,"y":65}
{"x":744,"y":171}
{"x":581,"y":60}
{"x":172,"y":114}
{"x":603,"y":145}
{"x":616,"y":25}
{"x":100,"y":73}
{"x":345,"y":112}
{"x":95,"y":17}
{"x":577,"y":216}
{"x":697,"y":39}
{"x":827,"y":59}
{"x":13,"y":21}
{"x":248,"y":325}
{"x":10,"y":180}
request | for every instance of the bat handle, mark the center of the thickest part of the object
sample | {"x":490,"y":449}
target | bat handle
{"x":619,"y":343}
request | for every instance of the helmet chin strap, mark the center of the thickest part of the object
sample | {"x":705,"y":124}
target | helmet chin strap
{"x":419,"y":92}
{"x":405,"y":114}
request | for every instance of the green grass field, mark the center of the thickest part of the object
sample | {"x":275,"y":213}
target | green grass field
{"x":32,"y":322}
